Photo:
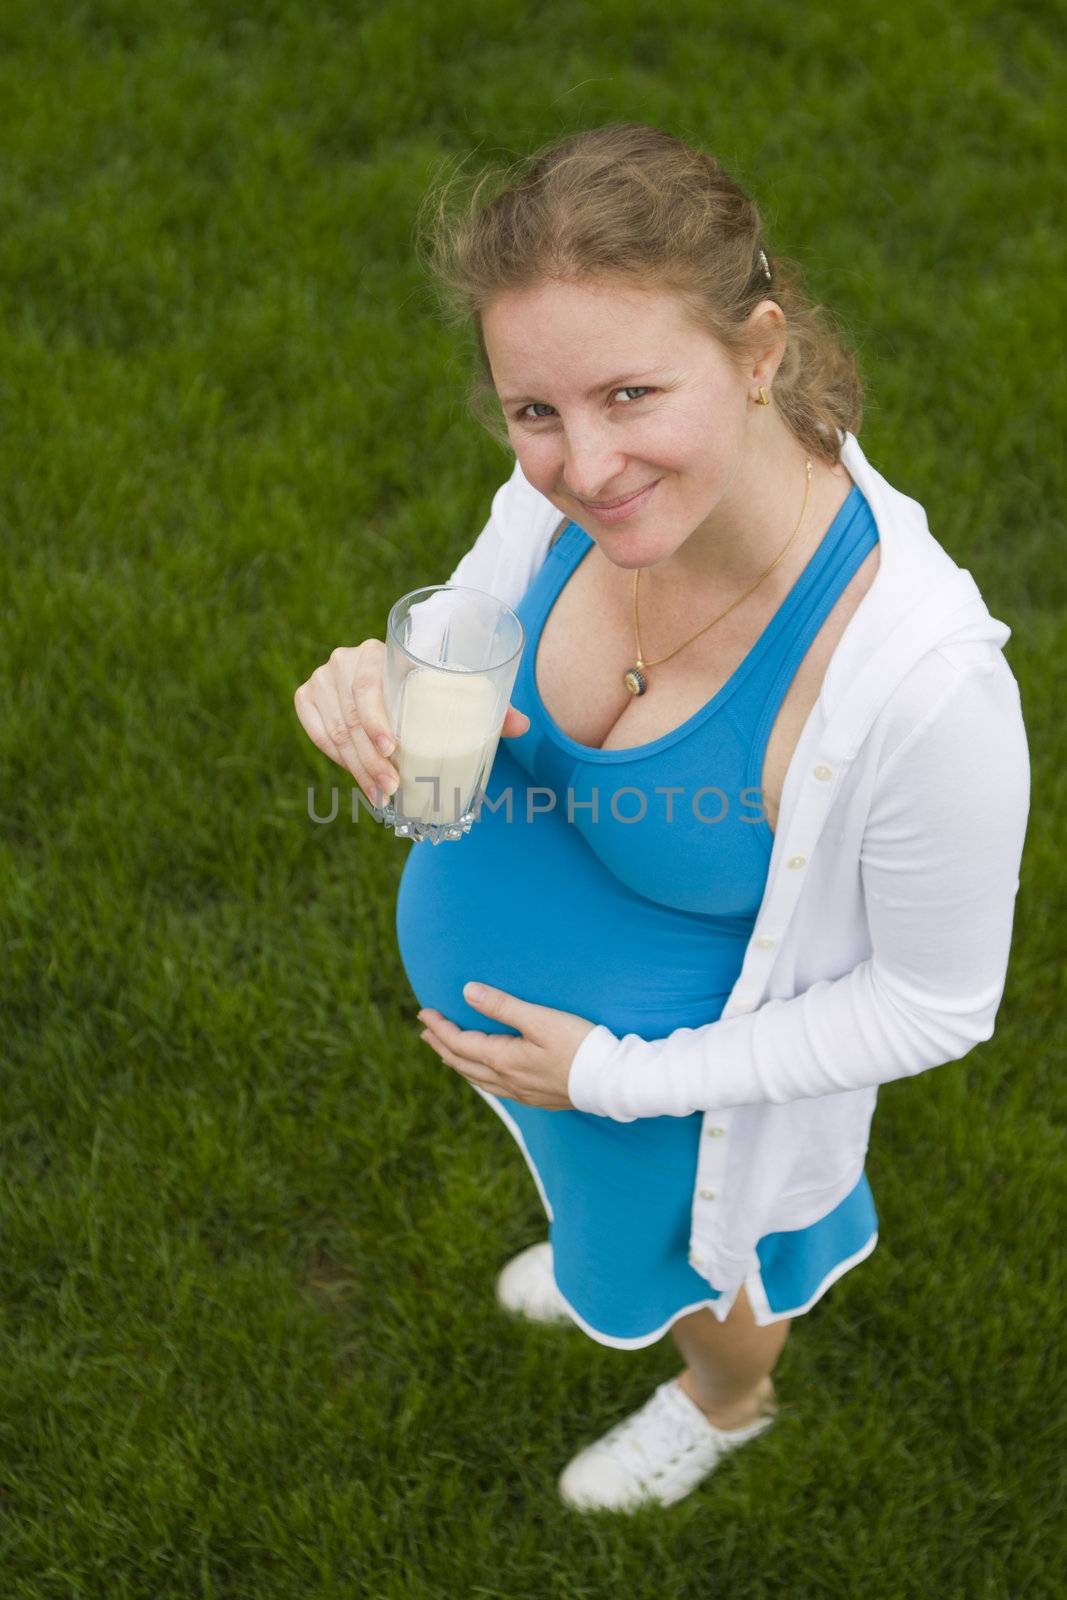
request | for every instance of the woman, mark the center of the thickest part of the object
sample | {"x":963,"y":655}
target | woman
{"x":752,"y":845}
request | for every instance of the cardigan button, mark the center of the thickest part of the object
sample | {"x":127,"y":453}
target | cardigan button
{"x":707,"y":1194}
{"x":823,"y":772}
{"x":715,"y":1133}
{"x":797,"y":861}
{"x":765,"y":942}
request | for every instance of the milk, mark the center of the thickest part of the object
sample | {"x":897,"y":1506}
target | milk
{"x":447,"y":729}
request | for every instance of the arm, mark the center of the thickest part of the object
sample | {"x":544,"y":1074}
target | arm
{"x":939,"y":864}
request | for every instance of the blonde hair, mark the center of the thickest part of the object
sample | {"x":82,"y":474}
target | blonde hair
{"x":634,"y":205}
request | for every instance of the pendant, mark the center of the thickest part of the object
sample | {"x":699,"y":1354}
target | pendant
{"x":636,"y":681}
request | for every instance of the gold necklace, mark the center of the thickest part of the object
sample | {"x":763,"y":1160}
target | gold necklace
{"x":636,"y":679}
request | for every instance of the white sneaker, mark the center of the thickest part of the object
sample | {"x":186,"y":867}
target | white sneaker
{"x":655,"y":1456}
{"x":527,"y":1288}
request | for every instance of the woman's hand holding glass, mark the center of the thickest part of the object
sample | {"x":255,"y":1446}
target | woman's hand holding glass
{"x":341,"y":708}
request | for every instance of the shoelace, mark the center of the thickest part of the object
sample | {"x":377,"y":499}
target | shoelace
{"x":657,"y":1436}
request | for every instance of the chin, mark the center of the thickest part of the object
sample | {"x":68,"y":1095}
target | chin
{"x":615,"y":549}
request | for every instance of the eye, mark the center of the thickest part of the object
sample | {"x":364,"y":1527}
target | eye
{"x":638,"y":389}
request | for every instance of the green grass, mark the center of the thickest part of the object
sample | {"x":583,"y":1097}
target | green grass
{"x":250,"y":1226}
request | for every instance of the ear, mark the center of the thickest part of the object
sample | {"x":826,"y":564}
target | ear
{"x":769,"y":322}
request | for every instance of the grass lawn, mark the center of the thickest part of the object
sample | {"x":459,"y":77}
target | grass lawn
{"x":248,"y":1346}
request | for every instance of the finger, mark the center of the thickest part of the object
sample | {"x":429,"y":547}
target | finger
{"x":357,"y":679}
{"x":516,"y":723}
{"x":491,"y":1049}
{"x":341,"y":716}
{"x":317,"y":732}
{"x":338,"y":688}
{"x":360,"y":679}
{"x":473,"y":1071}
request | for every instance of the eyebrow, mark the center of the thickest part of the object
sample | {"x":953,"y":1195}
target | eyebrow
{"x":626,"y":379}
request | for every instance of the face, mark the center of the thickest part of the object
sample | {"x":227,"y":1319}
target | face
{"x":609,"y":390}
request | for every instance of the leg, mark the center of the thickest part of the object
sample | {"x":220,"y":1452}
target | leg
{"x":729,"y":1363}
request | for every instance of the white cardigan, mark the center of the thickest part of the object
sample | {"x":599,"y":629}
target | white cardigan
{"x":881,"y":944}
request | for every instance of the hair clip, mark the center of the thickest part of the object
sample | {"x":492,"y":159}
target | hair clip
{"x":765,"y":265}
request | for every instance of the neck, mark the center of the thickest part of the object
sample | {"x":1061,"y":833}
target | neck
{"x":755,"y":516}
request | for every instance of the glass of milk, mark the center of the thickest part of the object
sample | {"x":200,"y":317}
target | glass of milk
{"x":451,"y":656}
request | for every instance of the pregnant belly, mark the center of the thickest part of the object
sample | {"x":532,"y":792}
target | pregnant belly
{"x":522,"y":903}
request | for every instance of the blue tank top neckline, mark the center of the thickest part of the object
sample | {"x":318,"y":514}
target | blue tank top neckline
{"x":571,"y":548}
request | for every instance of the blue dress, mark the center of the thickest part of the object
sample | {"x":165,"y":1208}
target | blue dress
{"x":584,"y":885}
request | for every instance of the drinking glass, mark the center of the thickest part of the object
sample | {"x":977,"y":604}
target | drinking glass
{"x":451,"y":656}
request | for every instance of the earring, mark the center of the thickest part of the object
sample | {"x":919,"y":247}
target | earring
{"x":763,"y":400}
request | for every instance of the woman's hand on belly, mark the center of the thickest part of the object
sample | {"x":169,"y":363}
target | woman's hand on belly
{"x":532,"y":1067}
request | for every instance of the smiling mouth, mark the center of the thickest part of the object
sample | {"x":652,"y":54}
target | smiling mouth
{"x":622,"y":511}
{"x":612,"y":505}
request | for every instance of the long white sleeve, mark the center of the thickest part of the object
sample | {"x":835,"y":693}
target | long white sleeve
{"x":478,"y":565}
{"x":511,"y":546}
{"x":503,"y":558}
{"x":940,"y":872}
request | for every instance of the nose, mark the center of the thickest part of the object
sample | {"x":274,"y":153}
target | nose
{"x":592,"y":462}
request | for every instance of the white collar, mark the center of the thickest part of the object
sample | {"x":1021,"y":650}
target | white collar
{"x":919,"y":598}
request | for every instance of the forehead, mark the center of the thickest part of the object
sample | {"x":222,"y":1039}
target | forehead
{"x":573,"y":330}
